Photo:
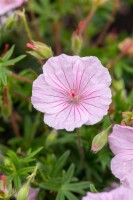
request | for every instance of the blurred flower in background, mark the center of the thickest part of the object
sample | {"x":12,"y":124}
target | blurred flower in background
{"x":8,"y":5}
{"x":121,"y":144}
{"x":7,"y":16}
{"x":120,"y":193}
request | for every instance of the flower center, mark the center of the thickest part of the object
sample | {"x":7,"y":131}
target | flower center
{"x":74,"y":97}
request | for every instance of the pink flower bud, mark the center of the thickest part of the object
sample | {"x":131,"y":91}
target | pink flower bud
{"x":126,"y":46}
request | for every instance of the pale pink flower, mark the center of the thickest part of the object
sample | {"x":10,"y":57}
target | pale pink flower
{"x":72,"y":91}
{"x":121,"y":143}
{"x":120,"y":193}
{"x":8,"y":5}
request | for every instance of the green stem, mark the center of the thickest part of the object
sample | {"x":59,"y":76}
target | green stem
{"x":30,"y":179}
{"x":23,"y":16}
{"x":35,"y":125}
{"x":43,"y":176}
{"x":81,"y":151}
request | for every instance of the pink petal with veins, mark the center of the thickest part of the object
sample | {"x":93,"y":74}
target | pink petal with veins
{"x":121,"y":139}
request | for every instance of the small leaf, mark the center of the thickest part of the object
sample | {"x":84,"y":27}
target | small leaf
{"x":4,"y":169}
{"x":78,"y":187}
{"x":17,"y":182}
{"x":29,"y":157}
{"x":3,"y":76}
{"x":14,"y":158}
{"x":8,"y":53}
{"x":69,"y":174}
{"x":12,"y":61}
{"x":92,"y":188}
{"x":60,"y":196}
{"x":60,"y":163}
{"x":70,"y":196}
{"x":26,"y":170}
{"x":50,"y":186}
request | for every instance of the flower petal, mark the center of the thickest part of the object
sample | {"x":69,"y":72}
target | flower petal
{"x":122,"y":168}
{"x":90,"y":71}
{"x":58,"y":72}
{"x":121,"y":139}
{"x":120,"y":193}
{"x":96,"y":100}
{"x":7,"y":6}
{"x":45,"y":99}
{"x":69,"y":118}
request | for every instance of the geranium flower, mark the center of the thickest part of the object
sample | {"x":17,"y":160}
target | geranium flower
{"x":120,"y":193}
{"x":121,"y":144}
{"x":8,"y":5}
{"x":72,"y":91}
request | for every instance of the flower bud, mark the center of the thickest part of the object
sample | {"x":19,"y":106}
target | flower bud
{"x":23,"y":193}
{"x":51,"y":137}
{"x":76,"y":43}
{"x":40,"y":50}
{"x":100,"y":140}
{"x":127,"y":118}
{"x":126,"y":46}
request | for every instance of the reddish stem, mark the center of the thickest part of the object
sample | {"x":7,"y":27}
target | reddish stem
{"x":21,"y":78}
{"x":57,"y":29}
{"x":15,"y":125}
{"x":83,"y":24}
{"x":108,"y":24}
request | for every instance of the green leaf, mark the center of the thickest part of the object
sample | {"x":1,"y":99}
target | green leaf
{"x":14,"y":159}
{"x":92,"y":188}
{"x":69,"y":174}
{"x":12,"y":61}
{"x":29,"y":157}
{"x":50,"y":186}
{"x":4,"y":169}
{"x":78,"y":187}
{"x":60,"y":196}
{"x":8,"y":53}
{"x":70,"y":196}
{"x":17,"y":182}
{"x":128,"y":69}
{"x":3,"y":76}
{"x":24,"y":171}
{"x":60,"y":163}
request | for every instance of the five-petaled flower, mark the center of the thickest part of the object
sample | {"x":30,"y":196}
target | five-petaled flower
{"x":8,"y":5}
{"x":72,"y":91}
{"x":121,"y":144}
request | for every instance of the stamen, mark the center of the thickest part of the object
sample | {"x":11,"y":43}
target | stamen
{"x":73,"y":95}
